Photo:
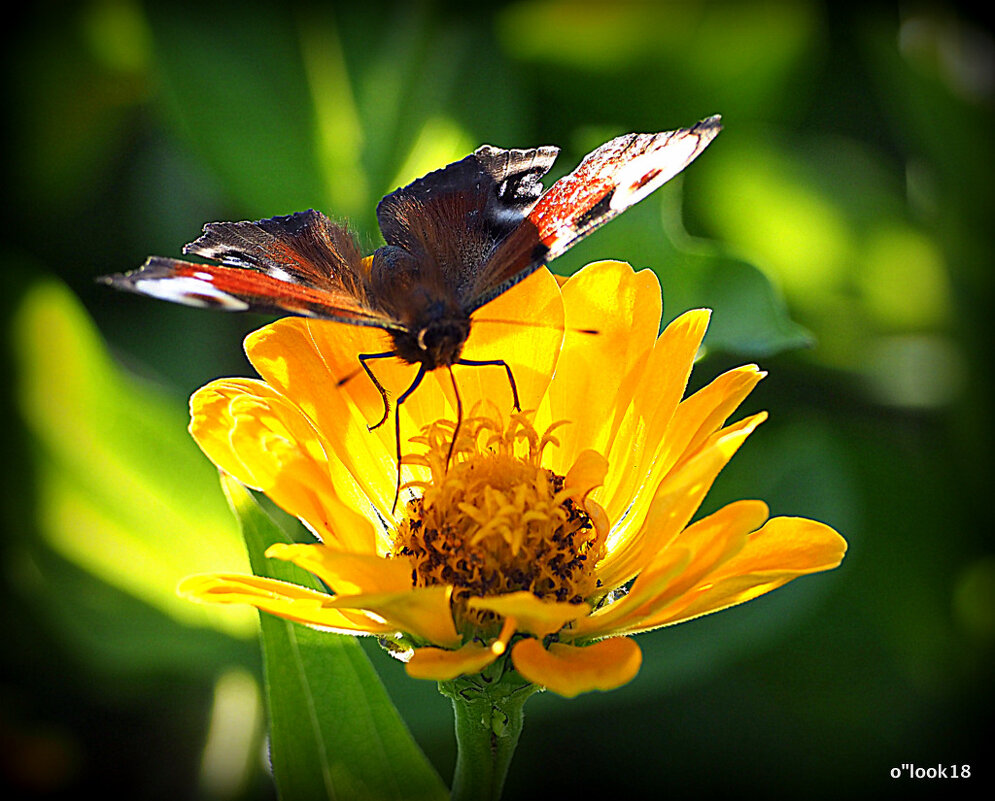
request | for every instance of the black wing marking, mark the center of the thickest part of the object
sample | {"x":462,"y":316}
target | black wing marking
{"x":517,"y":175}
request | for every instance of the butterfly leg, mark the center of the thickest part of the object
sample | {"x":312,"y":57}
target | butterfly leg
{"x":397,"y":428}
{"x":383,"y":392}
{"x":496,"y":363}
{"x":459,"y":418}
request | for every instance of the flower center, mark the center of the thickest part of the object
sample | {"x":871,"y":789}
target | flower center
{"x":491,"y":520}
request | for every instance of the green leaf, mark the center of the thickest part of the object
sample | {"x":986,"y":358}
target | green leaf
{"x":244,"y":107}
{"x":333,"y":730}
{"x":749,"y":316}
{"x":122,"y":490}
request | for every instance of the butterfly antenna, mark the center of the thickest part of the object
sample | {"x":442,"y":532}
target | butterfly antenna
{"x":533,"y":324}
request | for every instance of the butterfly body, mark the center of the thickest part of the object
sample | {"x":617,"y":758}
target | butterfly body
{"x":433,"y":323}
{"x":455,"y":239}
{"x":436,"y":342}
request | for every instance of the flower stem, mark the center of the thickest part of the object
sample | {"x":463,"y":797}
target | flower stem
{"x":489,"y":717}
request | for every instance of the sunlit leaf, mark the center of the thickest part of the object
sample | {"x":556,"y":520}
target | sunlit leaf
{"x":123,"y":491}
{"x":291,"y":115}
{"x":750,"y":317}
{"x":333,"y":731}
{"x":738,"y":58}
{"x":338,"y":129}
{"x":832,"y":229}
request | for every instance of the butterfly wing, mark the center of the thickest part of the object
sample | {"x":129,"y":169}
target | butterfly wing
{"x":451,"y":220}
{"x":468,"y":232}
{"x":301,"y":264}
{"x":609,"y":180}
{"x":614,"y":177}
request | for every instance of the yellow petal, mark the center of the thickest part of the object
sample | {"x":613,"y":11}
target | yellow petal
{"x":441,"y":665}
{"x":296,"y":354}
{"x":280,"y":598}
{"x":531,"y":614}
{"x":305,"y":360}
{"x":675,"y":501}
{"x":587,"y":472}
{"x":346,"y":573}
{"x":705,"y":412}
{"x":570,"y":671}
{"x":730,"y":525}
{"x":694,"y":420}
{"x":642,"y":433}
{"x":524,"y":327}
{"x":339,"y":352}
{"x":614,"y":618}
{"x":300,"y":487}
{"x":212,"y":420}
{"x":423,"y":612}
{"x":262,"y":439}
{"x":698,"y":551}
{"x":597,"y":373}
{"x":785,"y":548}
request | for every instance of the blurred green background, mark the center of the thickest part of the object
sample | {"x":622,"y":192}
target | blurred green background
{"x":839,"y":226}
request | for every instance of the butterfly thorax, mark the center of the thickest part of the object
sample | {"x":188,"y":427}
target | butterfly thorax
{"x":415,"y":293}
{"x":435,"y":343}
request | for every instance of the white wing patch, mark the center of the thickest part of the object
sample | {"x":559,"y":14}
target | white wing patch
{"x":192,"y":290}
{"x":648,"y":172}
{"x":281,"y":275}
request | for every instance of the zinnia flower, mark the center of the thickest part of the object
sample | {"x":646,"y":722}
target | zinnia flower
{"x":548,"y":536}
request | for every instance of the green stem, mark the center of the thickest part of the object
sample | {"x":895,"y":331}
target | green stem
{"x":489,"y":717}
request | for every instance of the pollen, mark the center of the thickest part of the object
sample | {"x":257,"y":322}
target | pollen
{"x":492,"y":520}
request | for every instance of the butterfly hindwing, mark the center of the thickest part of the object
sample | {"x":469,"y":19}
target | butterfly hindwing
{"x":451,"y":220}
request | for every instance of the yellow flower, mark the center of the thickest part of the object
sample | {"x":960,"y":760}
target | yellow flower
{"x":548,"y":536}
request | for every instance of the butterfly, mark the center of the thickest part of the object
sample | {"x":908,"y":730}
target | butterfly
{"x":455,"y":240}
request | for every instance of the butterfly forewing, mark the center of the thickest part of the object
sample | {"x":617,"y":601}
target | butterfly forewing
{"x":612,"y":178}
{"x":609,"y":180}
{"x":300,"y":264}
